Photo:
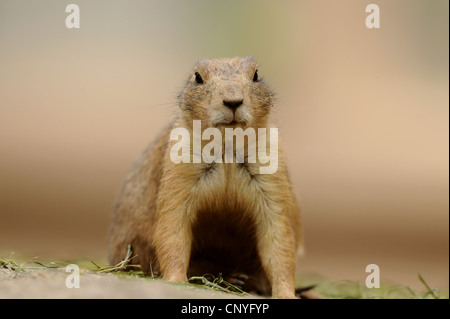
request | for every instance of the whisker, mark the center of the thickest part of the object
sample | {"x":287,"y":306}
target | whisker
{"x":160,"y":104}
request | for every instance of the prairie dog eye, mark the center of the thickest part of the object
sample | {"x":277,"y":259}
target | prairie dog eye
{"x":198,"y":78}
{"x":255,"y":76}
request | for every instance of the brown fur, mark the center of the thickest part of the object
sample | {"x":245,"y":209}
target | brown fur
{"x":192,"y":219}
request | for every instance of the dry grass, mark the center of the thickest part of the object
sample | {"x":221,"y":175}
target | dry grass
{"x":343,"y":289}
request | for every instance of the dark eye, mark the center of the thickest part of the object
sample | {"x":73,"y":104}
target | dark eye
{"x":255,"y":76}
{"x":198,"y":78}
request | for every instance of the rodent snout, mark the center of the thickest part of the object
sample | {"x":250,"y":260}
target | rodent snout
{"x":232,"y":96}
{"x":233,"y":103}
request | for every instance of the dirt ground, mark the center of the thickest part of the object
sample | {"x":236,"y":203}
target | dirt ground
{"x":42,"y":282}
{"x":51,"y":283}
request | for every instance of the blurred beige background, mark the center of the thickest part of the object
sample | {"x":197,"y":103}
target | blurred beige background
{"x":363,"y":115}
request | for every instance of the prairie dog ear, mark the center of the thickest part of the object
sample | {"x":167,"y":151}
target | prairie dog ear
{"x":249,"y":59}
{"x":251,"y":62}
{"x":202,"y":69}
{"x":250,"y":66}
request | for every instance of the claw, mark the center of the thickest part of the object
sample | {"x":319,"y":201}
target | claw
{"x":238,"y":280}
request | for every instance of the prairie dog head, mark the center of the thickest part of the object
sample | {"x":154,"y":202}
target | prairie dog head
{"x":226,"y":93}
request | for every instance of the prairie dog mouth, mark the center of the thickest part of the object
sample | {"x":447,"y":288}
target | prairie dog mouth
{"x":232,"y":123}
{"x":230,"y":120}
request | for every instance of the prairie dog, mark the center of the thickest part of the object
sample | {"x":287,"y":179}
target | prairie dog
{"x":190,"y":219}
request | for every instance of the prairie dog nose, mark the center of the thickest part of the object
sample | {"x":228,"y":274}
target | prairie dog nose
{"x":233,"y":103}
{"x":232,"y":97}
